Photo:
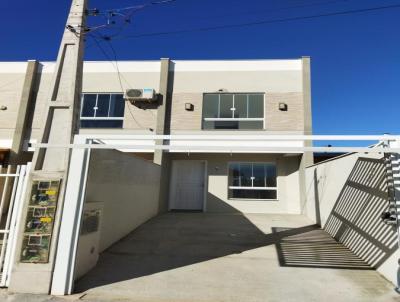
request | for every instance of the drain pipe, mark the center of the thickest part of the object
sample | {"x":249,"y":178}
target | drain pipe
{"x":391,"y":217}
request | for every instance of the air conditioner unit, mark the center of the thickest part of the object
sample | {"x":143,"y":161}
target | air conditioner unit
{"x":140,"y":95}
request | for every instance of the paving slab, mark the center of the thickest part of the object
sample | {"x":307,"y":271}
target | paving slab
{"x":196,"y":257}
{"x":232,"y":257}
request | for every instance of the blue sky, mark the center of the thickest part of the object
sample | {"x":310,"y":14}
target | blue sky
{"x":355,"y":57}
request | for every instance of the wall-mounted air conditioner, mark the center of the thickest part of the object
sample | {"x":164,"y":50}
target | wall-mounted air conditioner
{"x":140,"y":95}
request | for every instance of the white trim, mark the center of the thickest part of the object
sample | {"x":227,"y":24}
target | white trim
{"x":105,"y":118}
{"x":9,"y":259}
{"x":123,"y":66}
{"x":237,"y":65}
{"x":243,"y":137}
{"x":233,"y":119}
{"x":64,"y":267}
{"x":178,"y":66}
{"x":108,"y":67}
{"x":253,"y":188}
{"x":248,"y":148}
{"x":5,"y":143}
{"x":13,"y":67}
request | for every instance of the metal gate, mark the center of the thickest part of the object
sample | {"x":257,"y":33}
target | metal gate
{"x":13,"y":183}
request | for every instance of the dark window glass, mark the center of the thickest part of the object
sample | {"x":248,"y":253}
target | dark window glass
{"x":101,"y":123}
{"x":226,"y":104}
{"x":250,"y":125}
{"x":259,"y":175}
{"x":226,"y":125}
{"x":103,"y":105}
{"x":210,"y":106}
{"x":252,"y":194}
{"x":234,"y":175}
{"x":256,"y":106}
{"x":117,"y":105}
{"x":88,"y":104}
{"x":207,"y":125}
{"x":270,"y":171}
{"x":246,"y":175}
{"x":240,"y":106}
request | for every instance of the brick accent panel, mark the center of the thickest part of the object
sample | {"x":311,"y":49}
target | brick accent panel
{"x":182,"y":119}
{"x":290,"y":120}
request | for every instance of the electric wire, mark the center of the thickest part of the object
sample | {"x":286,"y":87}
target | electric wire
{"x":115,"y":64}
{"x":278,"y":9}
{"x":117,"y":12}
{"x":149,"y":3}
{"x":262,"y":22}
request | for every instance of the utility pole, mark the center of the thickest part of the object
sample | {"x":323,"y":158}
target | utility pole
{"x":44,"y":199}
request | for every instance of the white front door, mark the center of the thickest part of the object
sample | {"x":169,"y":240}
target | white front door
{"x":187,"y":185}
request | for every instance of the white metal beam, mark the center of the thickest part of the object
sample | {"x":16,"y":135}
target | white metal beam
{"x":222,"y":148}
{"x":245,"y":137}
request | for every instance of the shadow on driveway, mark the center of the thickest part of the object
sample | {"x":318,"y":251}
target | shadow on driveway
{"x":176,"y":240}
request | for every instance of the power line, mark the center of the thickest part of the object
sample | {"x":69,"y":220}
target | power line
{"x":141,"y":5}
{"x":115,"y":64}
{"x":278,"y":9}
{"x":263,"y":22}
{"x":115,"y":18}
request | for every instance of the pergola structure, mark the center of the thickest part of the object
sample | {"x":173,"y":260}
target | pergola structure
{"x":83,"y":144}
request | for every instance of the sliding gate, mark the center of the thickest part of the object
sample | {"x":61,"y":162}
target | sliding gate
{"x":13,"y":183}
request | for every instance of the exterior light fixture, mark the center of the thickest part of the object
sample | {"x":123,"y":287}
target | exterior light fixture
{"x":283,"y":107}
{"x":2,"y":107}
{"x":189,"y":107}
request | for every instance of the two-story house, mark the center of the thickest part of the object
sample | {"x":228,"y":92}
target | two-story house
{"x":210,"y":98}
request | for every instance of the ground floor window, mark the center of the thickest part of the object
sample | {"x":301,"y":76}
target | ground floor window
{"x":248,"y":180}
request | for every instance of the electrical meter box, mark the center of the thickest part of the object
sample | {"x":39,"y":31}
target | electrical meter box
{"x":89,"y":238}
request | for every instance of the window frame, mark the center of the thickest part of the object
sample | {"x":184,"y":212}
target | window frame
{"x":233,"y":119}
{"x":229,"y":187}
{"x":102,"y":118}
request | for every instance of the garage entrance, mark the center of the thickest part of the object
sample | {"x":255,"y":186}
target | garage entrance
{"x":208,"y":257}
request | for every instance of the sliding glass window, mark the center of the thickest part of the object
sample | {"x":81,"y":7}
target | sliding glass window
{"x":102,"y":110}
{"x":233,"y":111}
{"x":252,"y":181}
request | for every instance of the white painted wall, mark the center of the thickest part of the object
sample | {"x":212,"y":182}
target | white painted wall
{"x":273,"y":77}
{"x":353,"y":188}
{"x":11,"y":83}
{"x":217,"y":200}
{"x":128,"y":188}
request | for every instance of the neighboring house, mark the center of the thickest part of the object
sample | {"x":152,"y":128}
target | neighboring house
{"x":236,"y":97}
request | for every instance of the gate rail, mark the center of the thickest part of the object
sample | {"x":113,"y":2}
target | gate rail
{"x":13,"y":185}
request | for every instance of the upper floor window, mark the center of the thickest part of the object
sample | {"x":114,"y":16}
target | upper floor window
{"x":102,"y":110}
{"x":233,"y":111}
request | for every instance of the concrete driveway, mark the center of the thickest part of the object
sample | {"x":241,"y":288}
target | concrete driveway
{"x":214,"y":257}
